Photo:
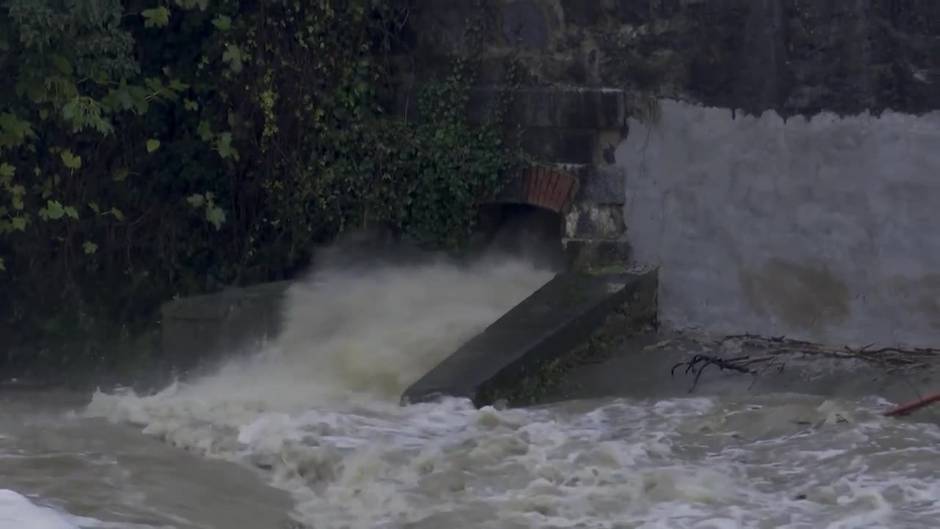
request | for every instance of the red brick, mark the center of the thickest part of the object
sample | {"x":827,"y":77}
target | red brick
{"x":538,"y":182}
{"x":554,"y":189}
{"x":546,"y":187}
{"x":531,"y":179}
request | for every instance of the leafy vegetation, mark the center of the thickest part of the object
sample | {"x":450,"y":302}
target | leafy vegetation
{"x":155,"y":148}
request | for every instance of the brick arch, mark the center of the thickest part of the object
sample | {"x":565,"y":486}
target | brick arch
{"x":545,"y":187}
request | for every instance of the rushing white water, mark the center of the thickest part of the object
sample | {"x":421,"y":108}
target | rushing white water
{"x":777,"y":462}
{"x":17,"y":511}
{"x":352,"y":341}
{"x":318,"y":413}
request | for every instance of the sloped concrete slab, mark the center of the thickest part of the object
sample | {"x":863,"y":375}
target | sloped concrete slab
{"x":197,"y":330}
{"x":549,"y":323}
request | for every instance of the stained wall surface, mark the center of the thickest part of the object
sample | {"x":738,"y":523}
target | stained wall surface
{"x":825,"y":228}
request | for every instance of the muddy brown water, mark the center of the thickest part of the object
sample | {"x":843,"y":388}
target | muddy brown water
{"x":309,"y":433}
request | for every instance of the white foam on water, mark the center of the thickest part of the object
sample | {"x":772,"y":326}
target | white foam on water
{"x":18,"y":512}
{"x":319,"y":412}
{"x":367,"y":335}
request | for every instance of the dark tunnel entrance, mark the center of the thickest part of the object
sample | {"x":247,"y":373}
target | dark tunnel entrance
{"x":523,"y":230}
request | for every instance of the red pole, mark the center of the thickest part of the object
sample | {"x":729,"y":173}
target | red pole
{"x":910,"y":407}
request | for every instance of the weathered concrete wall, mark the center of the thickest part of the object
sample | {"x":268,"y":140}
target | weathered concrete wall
{"x":583,"y":67}
{"x":794,"y":56}
{"x":201,"y":329}
{"x":823,"y":229}
{"x":557,"y":318}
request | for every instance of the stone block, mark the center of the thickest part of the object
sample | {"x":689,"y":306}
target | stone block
{"x":554,"y":145}
{"x":552,"y":107}
{"x":525,"y":25}
{"x":586,"y":254}
{"x":197,"y":330}
{"x":581,"y":12}
{"x":606,"y":144}
{"x":594,"y":221}
{"x":603,"y":185}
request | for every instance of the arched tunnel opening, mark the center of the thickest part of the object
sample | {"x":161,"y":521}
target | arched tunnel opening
{"x":522,"y":230}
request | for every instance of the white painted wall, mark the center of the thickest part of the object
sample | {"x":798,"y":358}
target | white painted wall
{"x":825,"y":229}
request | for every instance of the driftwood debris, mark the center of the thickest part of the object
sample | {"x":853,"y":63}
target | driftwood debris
{"x":888,"y":357}
{"x":772,"y":353}
{"x":741,"y":364}
{"x":910,"y":407}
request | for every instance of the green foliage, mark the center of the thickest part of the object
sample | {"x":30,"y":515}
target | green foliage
{"x":213,"y":213}
{"x":456,"y":166}
{"x":222,"y":23}
{"x":152,"y":149}
{"x":156,"y":17}
{"x":70,"y":160}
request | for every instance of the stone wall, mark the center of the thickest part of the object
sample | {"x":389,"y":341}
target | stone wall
{"x":793,"y":56}
{"x":584,"y":67}
{"x":813,"y":220}
{"x":680,"y":120}
{"x":200,"y":330}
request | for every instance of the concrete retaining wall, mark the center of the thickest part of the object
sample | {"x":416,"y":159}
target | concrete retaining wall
{"x":584,"y":69}
{"x":825,"y":229}
{"x":201,"y":329}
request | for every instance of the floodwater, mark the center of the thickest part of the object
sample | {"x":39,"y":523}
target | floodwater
{"x":309,"y":433}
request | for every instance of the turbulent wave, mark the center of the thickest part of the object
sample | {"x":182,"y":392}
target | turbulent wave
{"x":18,"y":511}
{"x":318,"y":411}
{"x":780,"y":462}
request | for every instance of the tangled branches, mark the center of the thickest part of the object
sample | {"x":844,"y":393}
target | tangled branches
{"x":886,"y":357}
{"x":741,"y":364}
{"x":772,"y":353}
{"x":699,"y":363}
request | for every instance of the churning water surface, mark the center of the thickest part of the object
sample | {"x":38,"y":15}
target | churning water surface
{"x":317,"y":415}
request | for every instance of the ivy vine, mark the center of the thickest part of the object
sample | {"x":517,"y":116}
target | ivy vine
{"x":155,"y":148}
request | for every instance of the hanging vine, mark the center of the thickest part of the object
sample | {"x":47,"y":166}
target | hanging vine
{"x":156,"y":148}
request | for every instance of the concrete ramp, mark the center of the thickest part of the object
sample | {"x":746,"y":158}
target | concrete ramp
{"x":200,"y":330}
{"x":557,"y":318}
